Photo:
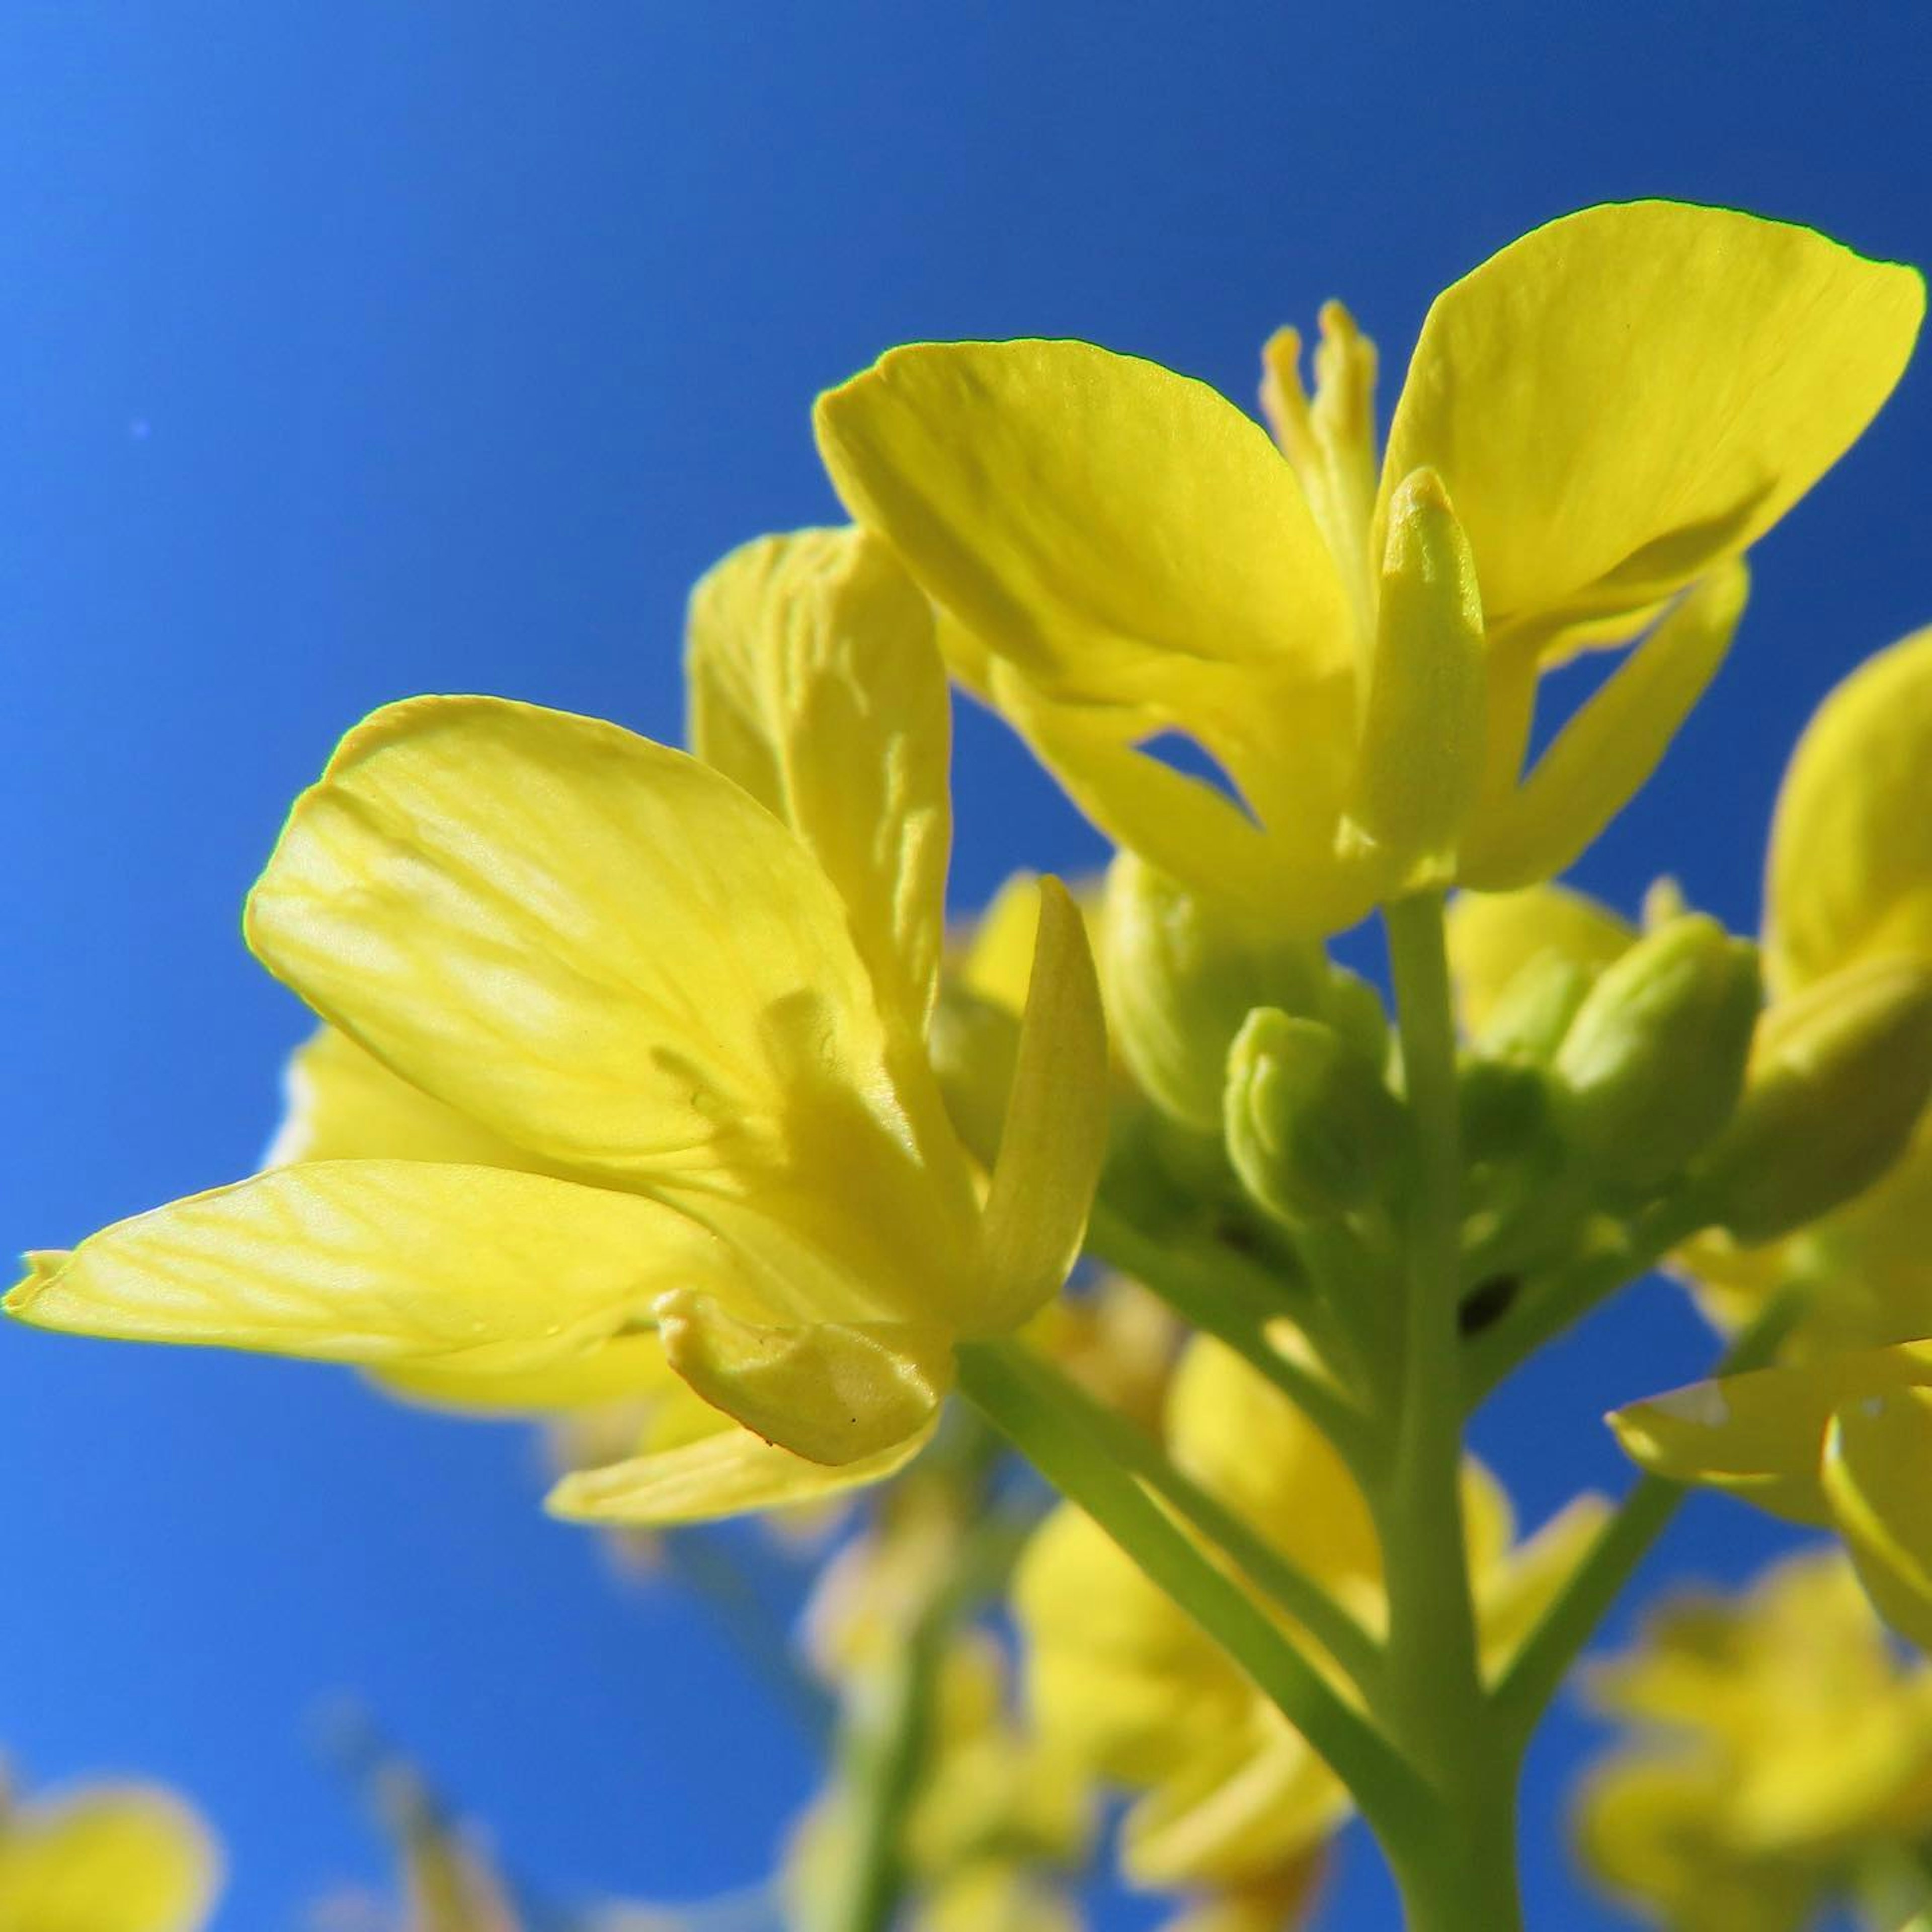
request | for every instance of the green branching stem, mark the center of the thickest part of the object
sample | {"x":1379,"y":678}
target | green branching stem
{"x":1572,"y":1618}
{"x":1293,"y":1591}
{"x":1006,"y":1385}
{"x":1236,"y":1303}
{"x":1434,"y":1709}
{"x":1491,"y":1358}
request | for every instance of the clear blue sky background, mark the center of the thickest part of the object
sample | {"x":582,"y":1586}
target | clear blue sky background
{"x":357,"y":350}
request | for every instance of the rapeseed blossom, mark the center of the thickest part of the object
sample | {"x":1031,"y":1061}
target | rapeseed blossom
{"x":689,"y":994}
{"x":1779,"y":1756}
{"x":104,"y":1858}
{"x":1841,"y":1436}
{"x":1596,"y":424}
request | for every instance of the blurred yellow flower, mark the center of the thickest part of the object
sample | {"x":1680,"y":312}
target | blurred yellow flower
{"x":1840,"y":1436}
{"x":105,"y":1858}
{"x":1596,"y":424}
{"x":1779,"y":1749}
{"x":1234,"y":1800}
{"x":691,"y":994}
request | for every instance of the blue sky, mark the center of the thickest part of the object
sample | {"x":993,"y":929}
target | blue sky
{"x":351,"y":352}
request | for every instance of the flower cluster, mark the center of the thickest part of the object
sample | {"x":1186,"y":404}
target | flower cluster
{"x":650,"y":1097}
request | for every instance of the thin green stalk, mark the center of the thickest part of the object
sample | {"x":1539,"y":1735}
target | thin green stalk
{"x":1329,"y":1622}
{"x":1491,"y":1358}
{"x":1434,"y":1709}
{"x":998,"y":1379}
{"x":1231,"y":1301}
{"x":882,"y":1758}
{"x":1571,"y":1619}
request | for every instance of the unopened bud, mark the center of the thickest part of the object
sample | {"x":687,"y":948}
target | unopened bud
{"x":1311,"y":1130}
{"x":1839,"y":1077}
{"x":1527,"y":1023}
{"x":1652,"y":1065}
{"x":1182,"y":973}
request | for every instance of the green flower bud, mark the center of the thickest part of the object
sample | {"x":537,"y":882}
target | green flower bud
{"x":1182,"y":973}
{"x":1839,"y":1077}
{"x":1651,"y":1068}
{"x":1527,"y":1023}
{"x":1311,"y":1130}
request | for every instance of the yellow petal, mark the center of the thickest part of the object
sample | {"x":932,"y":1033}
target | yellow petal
{"x":815,"y":683}
{"x":1761,"y":1435}
{"x":1521,"y":1584}
{"x":831,"y":1392}
{"x":1850,"y":874}
{"x":378,"y":1261}
{"x":342,"y":1103}
{"x":613,"y":955}
{"x":1260,"y":1800}
{"x":1625,"y":397}
{"x":1117,"y":1676}
{"x":721,"y":1475}
{"x":1603,"y":754}
{"x":1493,"y":936}
{"x":1055,"y":1135}
{"x":1235,"y":1433}
{"x":625,"y":1368}
{"x":1877,"y":1477}
{"x":107,"y":1859}
{"x":1095,"y":518}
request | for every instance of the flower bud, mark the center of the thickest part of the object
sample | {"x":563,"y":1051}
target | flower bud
{"x":1527,"y":1023}
{"x":1182,"y":973}
{"x":1504,"y":1106}
{"x":1311,"y":1130}
{"x":1839,"y":1077}
{"x":1652,"y":1066}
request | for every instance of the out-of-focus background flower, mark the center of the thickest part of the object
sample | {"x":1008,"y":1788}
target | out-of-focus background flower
{"x":356,"y":351}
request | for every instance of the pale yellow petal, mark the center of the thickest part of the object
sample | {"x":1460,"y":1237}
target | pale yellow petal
{"x":1055,"y":1133}
{"x":1602,"y":756}
{"x":107,"y":1859}
{"x":612,"y":954}
{"x":722,"y":1475}
{"x":626,"y":1368}
{"x":1850,"y":874}
{"x":1521,"y":1584}
{"x":379,"y":1262}
{"x":1261,"y":1799}
{"x":814,"y":682}
{"x":1878,"y":1479}
{"x":1095,"y":518}
{"x":1762,"y":1435}
{"x":1625,"y":397}
{"x":342,"y":1103}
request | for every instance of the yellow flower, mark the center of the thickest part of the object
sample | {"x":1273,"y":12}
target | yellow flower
{"x":1233,"y":1799}
{"x":105,"y":1858}
{"x":1778,"y":1745}
{"x":692,"y":992}
{"x":1596,"y":422}
{"x":1840,"y":1437}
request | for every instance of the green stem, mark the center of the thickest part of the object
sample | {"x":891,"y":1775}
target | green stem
{"x":1571,"y":1619}
{"x":1490,"y":1358}
{"x":882,"y":1758}
{"x":1329,"y":1622}
{"x":1435,"y":1709}
{"x":1233,"y":1302}
{"x":1003,"y":1383}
